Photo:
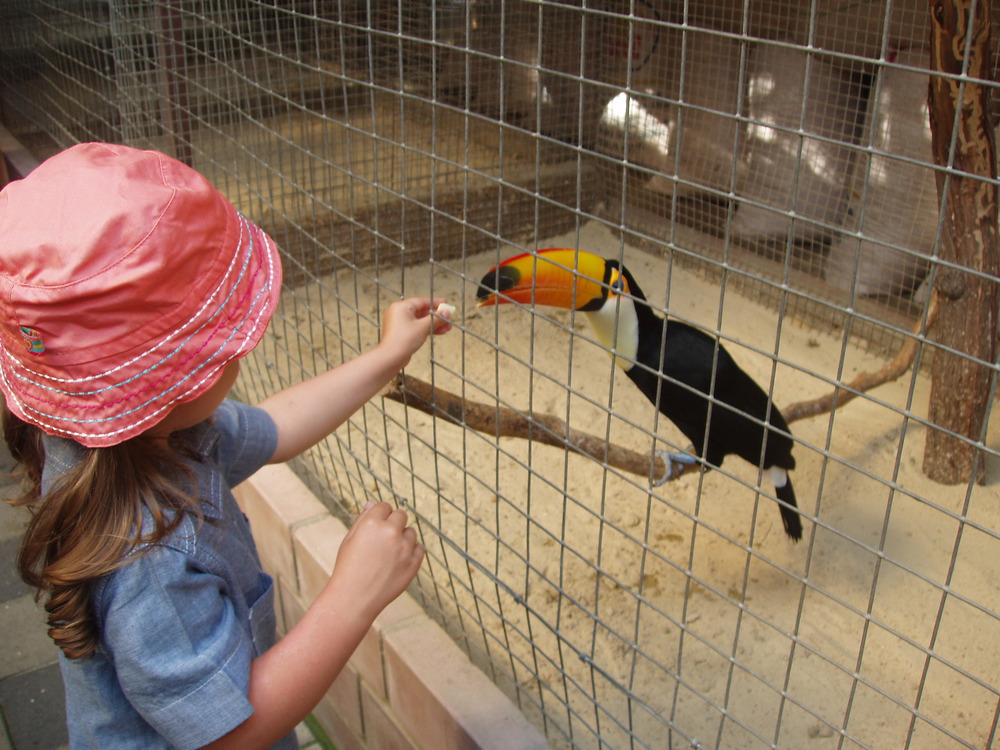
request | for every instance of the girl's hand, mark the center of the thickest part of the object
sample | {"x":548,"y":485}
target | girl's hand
{"x":377,"y":560}
{"x":407,"y":323}
{"x":307,"y":412}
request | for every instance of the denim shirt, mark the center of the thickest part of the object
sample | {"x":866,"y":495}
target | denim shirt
{"x":179,"y":624}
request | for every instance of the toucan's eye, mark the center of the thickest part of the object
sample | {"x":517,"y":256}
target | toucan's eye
{"x":618,"y":285}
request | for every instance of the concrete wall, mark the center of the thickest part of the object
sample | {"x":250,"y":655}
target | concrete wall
{"x":408,"y":686}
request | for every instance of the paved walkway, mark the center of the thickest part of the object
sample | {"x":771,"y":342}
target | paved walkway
{"x":32,"y":711}
{"x":31,"y":694}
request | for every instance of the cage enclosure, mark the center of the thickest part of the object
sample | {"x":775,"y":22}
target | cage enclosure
{"x":765,"y":171}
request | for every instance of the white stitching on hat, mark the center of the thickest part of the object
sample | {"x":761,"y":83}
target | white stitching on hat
{"x":247,"y":258}
{"x":159,"y":344}
{"x":249,"y":333}
{"x":63,"y":431}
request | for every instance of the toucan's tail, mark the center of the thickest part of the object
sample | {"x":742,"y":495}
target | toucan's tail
{"x":789,"y":513}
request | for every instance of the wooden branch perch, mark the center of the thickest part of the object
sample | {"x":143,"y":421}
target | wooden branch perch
{"x":500,"y":421}
{"x":866,"y":380}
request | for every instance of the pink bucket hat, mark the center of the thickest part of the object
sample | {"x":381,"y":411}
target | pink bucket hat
{"x":127,"y":282}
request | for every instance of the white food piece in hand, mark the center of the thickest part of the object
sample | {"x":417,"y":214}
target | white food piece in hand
{"x":444,"y":307}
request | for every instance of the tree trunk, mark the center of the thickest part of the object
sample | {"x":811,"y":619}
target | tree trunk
{"x":967,"y":326}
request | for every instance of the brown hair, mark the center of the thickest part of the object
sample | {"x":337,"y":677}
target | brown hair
{"x":91,"y":519}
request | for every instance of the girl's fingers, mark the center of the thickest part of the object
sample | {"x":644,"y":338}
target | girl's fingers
{"x":399,"y":518}
{"x":421,"y":306}
{"x":378,"y":509}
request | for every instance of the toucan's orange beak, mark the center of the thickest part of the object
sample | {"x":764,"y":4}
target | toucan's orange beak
{"x":557,"y":277}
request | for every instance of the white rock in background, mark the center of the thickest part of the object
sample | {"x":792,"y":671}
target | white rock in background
{"x":894,"y":201}
{"x":797,"y":151}
{"x":684,"y":129}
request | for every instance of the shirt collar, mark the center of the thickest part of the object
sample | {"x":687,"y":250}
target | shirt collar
{"x":62,"y":454}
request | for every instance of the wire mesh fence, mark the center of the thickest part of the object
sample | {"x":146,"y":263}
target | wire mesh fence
{"x":765,"y":172}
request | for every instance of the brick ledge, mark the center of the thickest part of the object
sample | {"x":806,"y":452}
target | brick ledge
{"x":408,"y":686}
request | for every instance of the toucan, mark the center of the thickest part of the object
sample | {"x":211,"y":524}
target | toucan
{"x":686,"y":373}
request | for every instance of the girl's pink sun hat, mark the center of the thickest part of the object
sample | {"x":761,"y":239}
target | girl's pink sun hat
{"x":127,"y":282}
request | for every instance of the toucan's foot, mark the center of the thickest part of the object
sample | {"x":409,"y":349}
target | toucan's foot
{"x":675,"y":464}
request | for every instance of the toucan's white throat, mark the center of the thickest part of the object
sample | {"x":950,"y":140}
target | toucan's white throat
{"x":616,"y":326}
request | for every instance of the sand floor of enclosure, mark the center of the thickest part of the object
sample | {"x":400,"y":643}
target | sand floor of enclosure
{"x":624,"y":610}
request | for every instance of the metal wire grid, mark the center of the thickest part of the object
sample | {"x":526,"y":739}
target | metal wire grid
{"x":616,"y":616}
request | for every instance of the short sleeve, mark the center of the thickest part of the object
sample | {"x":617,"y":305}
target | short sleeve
{"x":249,"y":439}
{"x":180,"y":653}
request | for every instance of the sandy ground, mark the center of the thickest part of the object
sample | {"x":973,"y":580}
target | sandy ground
{"x":611,"y":609}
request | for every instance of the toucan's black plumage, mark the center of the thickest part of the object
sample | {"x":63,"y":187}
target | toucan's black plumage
{"x":734,"y":422}
{"x":671,"y":362}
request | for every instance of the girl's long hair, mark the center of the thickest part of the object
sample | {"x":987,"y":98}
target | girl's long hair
{"x":91,"y":520}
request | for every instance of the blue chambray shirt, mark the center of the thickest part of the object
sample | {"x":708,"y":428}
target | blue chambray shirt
{"x":181,"y":623}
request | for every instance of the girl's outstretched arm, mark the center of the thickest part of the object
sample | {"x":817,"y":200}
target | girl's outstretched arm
{"x":377,"y":560}
{"x":307,"y":412}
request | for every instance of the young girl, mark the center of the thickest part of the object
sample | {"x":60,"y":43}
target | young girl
{"x":129,"y":289}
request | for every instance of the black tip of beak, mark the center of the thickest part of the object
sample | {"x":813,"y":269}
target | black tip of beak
{"x":497,"y":281}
